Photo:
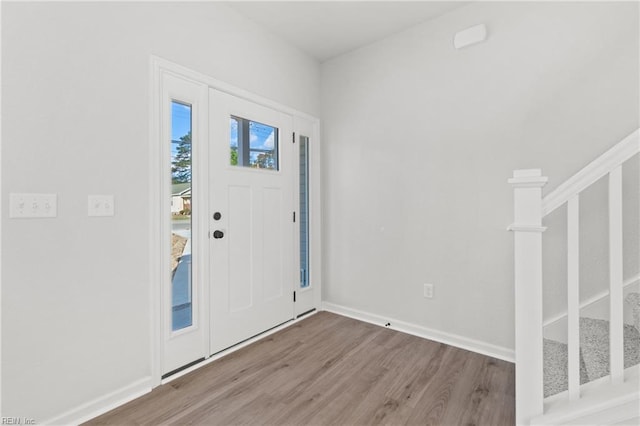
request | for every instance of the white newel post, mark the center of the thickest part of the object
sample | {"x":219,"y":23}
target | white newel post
{"x":527,"y":229}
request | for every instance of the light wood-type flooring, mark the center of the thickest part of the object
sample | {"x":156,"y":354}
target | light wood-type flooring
{"x":333,"y":370}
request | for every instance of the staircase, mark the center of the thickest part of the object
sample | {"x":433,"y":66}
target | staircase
{"x":591,"y":373}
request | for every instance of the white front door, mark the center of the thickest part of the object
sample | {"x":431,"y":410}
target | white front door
{"x":251,"y":207}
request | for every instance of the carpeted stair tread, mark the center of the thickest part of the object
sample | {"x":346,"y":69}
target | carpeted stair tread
{"x":594,"y":345}
{"x":633,"y":300}
{"x":594,"y":355}
{"x":555,"y":368}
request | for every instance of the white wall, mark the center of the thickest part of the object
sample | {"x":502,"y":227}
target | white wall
{"x":75,"y":80}
{"x":419,"y":140}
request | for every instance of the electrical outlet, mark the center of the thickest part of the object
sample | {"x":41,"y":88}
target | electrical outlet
{"x":33,"y":205}
{"x":428,"y":291}
{"x":101,"y":205}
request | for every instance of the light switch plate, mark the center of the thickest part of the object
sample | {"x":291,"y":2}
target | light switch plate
{"x":101,"y":205}
{"x":22,"y":206}
{"x":428,"y":291}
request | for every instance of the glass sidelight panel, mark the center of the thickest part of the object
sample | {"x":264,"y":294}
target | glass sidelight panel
{"x":181,"y":167}
{"x":253,"y":144}
{"x":304,"y":212}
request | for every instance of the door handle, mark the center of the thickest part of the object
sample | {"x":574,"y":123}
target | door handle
{"x":218,"y":234}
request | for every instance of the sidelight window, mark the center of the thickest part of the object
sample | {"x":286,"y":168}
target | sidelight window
{"x":181,"y":167}
{"x":304,"y":212}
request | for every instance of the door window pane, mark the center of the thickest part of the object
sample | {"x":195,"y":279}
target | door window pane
{"x":304,"y":212}
{"x":181,"y":205}
{"x":253,"y":144}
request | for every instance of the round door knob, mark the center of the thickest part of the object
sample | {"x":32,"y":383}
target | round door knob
{"x":218,"y":234}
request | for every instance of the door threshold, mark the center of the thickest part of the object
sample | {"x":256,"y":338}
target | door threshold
{"x":253,"y":338}
{"x":184,"y":367}
{"x":201,"y":363}
{"x":306,"y":313}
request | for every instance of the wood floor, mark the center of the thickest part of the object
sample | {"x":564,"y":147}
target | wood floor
{"x":332,"y":370}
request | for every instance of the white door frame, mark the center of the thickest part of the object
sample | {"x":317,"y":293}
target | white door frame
{"x":159,"y":180}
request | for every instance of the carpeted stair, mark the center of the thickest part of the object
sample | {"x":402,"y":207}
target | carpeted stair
{"x":633,"y":299}
{"x":594,"y":350}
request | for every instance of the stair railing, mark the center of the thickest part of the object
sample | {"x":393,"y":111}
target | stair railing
{"x":529,"y":210}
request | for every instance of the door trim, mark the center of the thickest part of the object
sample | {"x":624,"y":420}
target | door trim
{"x":158,"y":186}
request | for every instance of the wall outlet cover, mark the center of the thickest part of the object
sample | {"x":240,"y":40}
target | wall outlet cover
{"x":428,"y":291}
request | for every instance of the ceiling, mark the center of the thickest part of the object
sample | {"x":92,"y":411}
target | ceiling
{"x":325,"y":29}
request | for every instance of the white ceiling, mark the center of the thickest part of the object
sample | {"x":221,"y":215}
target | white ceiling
{"x":325,"y":29}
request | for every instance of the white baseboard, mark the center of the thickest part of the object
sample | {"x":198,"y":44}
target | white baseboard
{"x":600,"y":403}
{"x":102,"y":404}
{"x":462,"y":342}
{"x":623,"y":413}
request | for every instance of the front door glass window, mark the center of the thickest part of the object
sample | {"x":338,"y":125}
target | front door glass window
{"x":253,"y":144}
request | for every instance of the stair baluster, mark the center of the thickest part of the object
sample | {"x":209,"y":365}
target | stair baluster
{"x":616,"y":344}
{"x":573,"y":296}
